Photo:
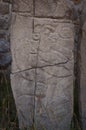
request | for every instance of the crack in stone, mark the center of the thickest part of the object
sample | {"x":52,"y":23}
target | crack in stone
{"x":37,"y":56}
{"x":39,"y":67}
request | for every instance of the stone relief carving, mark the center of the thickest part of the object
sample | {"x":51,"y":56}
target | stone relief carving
{"x":46,"y":38}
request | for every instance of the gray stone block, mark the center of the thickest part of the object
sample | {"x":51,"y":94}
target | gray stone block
{"x":4,"y":22}
{"x":4,"y":46}
{"x":51,"y":8}
{"x":23,"y":6}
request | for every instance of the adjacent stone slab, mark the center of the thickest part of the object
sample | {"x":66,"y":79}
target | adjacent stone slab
{"x":23,"y":89}
{"x":24,"y":44}
{"x":51,"y":8}
{"x":83,"y":78}
{"x":23,"y":6}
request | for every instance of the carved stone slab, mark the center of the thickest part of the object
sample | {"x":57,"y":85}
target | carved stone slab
{"x":42,"y":79}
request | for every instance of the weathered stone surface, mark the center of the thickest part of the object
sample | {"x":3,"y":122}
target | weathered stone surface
{"x":23,"y":6}
{"x":5,"y":17}
{"x":5,"y":56}
{"x":5,"y":60}
{"x":83,"y":78}
{"x":54,"y":74}
{"x":4,"y":8}
{"x":23,"y":89}
{"x":53,"y":99}
{"x":42,"y":67}
{"x":8,"y":1}
{"x":23,"y":44}
{"x":3,"y":34}
{"x":51,"y":8}
{"x":4,"y":21}
{"x":52,"y":45}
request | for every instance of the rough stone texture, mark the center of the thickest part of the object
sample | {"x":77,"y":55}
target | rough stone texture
{"x":8,"y":1}
{"x":4,"y":23}
{"x":51,"y":8}
{"x":4,"y":8}
{"x":5,"y":57}
{"x":54,"y":74}
{"x":3,"y":34}
{"x":23,"y":6}
{"x":53,"y":100}
{"x":42,"y":67}
{"x":48,"y":51}
{"x":23,"y":89}
{"x":53,"y":34}
{"x":83,"y":77}
{"x":23,"y":44}
{"x":5,"y":16}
